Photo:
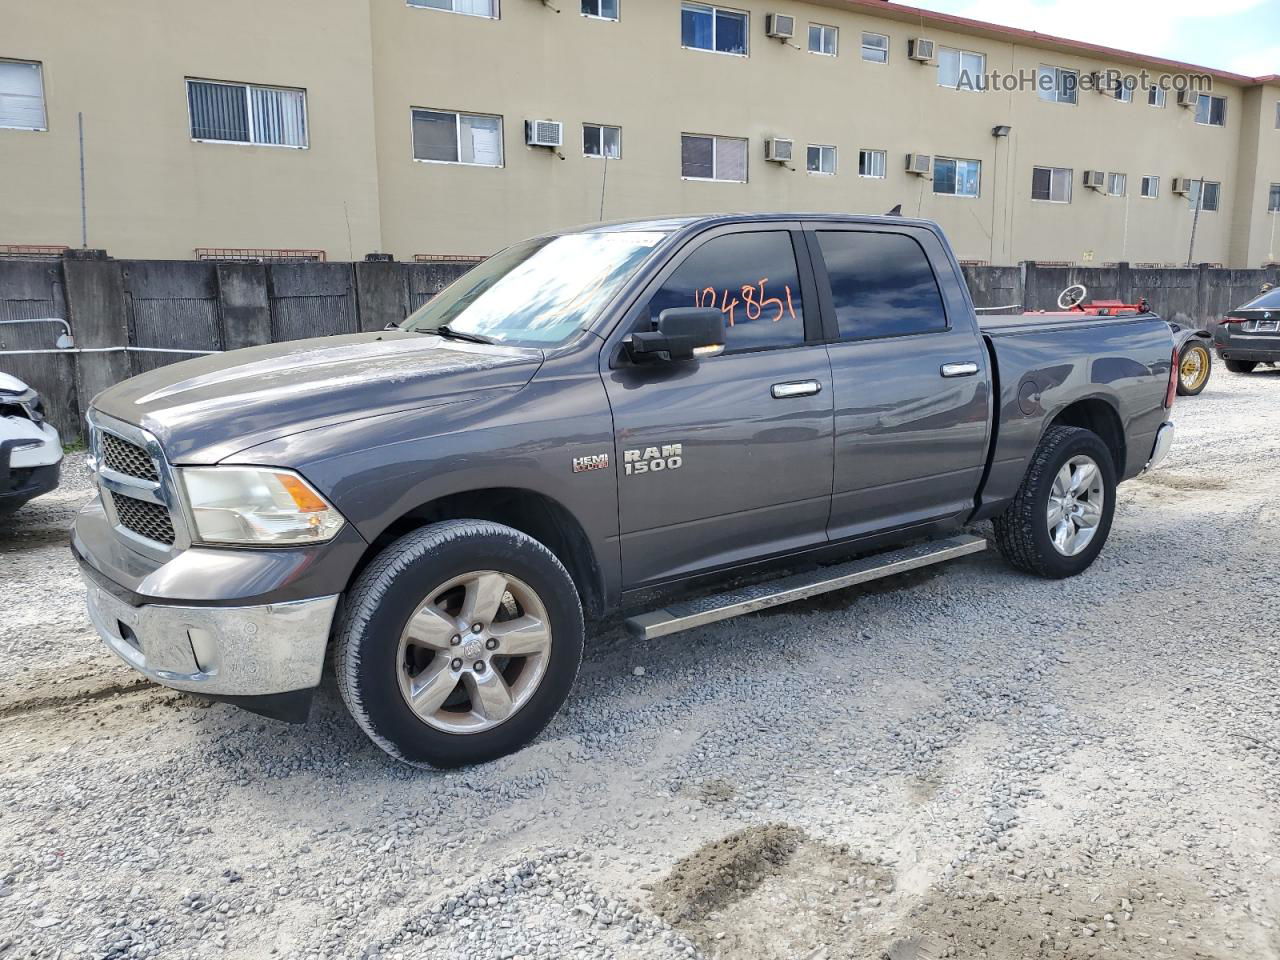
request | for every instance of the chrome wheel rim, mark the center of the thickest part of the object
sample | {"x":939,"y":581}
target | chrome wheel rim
{"x":1193,"y":368}
{"x":474,"y":652}
{"x":1076,"y":501}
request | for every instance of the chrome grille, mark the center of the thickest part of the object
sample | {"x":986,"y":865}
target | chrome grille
{"x":128,"y":458}
{"x":150,"y":520}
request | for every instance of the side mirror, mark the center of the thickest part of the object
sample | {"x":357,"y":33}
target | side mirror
{"x":682,"y":333}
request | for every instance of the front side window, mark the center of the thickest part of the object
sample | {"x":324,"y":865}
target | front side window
{"x":1273,"y":202}
{"x":539,"y":292}
{"x":1117,"y":184}
{"x":1207,"y":193}
{"x":245,"y":113}
{"x":1150,"y":187}
{"x":881,"y":285}
{"x":875,"y":48}
{"x":601,"y":140}
{"x":1211,"y":111}
{"x":704,"y":27}
{"x":961,"y":69}
{"x":1052,"y":184}
{"x":958,"y":178}
{"x":22,"y":95}
{"x":713,"y":158}
{"x":443,"y":136}
{"x":752,"y":279}
{"x":871,"y":163}
{"x":1156,"y":97}
{"x":603,"y":9}
{"x":821,"y":159}
{"x":474,"y":8}
{"x":823,"y":39}
{"x":1057,"y":85}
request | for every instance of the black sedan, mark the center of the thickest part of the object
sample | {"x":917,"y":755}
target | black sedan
{"x":1250,"y":335}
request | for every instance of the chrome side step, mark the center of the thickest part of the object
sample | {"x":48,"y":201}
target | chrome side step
{"x":688,"y":614}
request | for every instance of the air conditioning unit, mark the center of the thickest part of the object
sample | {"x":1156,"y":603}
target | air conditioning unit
{"x":920,"y":49}
{"x":1095,"y":179}
{"x":921,"y":164}
{"x":544,"y":133}
{"x":779,"y":150}
{"x":1183,"y":185}
{"x":779,"y":26}
{"x":1188,"y":98}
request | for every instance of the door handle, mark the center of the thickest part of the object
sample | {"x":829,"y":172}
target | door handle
{"x":959,"y":369}
{"x":799,"y":388}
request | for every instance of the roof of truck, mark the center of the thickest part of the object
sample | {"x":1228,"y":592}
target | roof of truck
{"x":670,"y":224}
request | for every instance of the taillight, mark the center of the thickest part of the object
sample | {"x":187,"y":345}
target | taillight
{"x":1173,"y":381}
{"x":1233,"y":320}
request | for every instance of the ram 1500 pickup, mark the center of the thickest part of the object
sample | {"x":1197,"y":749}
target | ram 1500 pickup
{"x":585,"y":420}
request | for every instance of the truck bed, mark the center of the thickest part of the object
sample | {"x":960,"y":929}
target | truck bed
{"x":996,"y":325}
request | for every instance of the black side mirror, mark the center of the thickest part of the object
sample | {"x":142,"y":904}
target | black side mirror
{"x":682,"y":333}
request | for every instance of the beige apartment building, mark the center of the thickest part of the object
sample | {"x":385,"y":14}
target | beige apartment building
{"x":342,"y":127}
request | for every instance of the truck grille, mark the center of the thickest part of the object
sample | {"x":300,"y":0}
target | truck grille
{"x":150,"y":520}
{"x":128,"y":458}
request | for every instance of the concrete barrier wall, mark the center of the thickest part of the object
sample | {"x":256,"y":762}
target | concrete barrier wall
{"x":188,"y":305}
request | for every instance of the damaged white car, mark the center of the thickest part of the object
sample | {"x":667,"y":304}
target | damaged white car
{"x":30,"y":448}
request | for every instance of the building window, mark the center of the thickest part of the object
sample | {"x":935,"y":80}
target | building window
{"x":443,"y":136}
{"x":823,"y":39}
{"x":600,"y":140}
{"x":244,"y":113}
{"x":1122,"y":92}
{"x":1058,"y":85}
{"x":473,"y":8}
{"x":1052,"y":184}
{"x":1117,"y":184}
{"x":22,"y":95}
{"x":1278,"y":114}
{"x":601,"y":9}
{"x":1151,"y":187}
{"x":1212,"y":195}
{"x":1211,"y":111}
{"x":1273,"y":202}
{"x":875,"y":48}
{"x":713,"y":158}
{"x":713,"y":28}
{"x":1156,"y":97}
{"x":871,"y":163}
{"x":821,"y":159}
{"x":957,"y":178}
{"x":960,"y":69}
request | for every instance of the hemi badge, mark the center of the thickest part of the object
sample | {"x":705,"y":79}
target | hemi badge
{"x":596,"y":461}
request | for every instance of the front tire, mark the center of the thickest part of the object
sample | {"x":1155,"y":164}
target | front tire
{"x":459,"y":643}
{"x":1240,"y":366}
{"x":1061,"y":515}
{"x":1195,"y":363}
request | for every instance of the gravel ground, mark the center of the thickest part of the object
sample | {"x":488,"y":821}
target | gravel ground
{"x":965,"y":762}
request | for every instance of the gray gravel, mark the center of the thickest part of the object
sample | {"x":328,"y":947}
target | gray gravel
{"x":983,"y":764}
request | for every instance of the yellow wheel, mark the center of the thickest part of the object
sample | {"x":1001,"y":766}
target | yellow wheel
{"x":1194,"y":364}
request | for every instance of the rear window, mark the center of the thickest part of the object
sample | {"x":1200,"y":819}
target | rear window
{"x":1268,"y":301}
{"x":881,"y":285}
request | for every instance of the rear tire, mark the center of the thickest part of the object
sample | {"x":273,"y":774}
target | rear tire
{"x":1025,"y":532}
{"x":430,"y":689}
{"x":1195,"y":363}
{"x":1240,"y":366}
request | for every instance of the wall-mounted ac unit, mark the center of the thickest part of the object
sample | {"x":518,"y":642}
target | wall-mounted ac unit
{"x":779,"y":150}
{"x":920,"y":49}
{"x":1183,"y":185}
{"x":1095,"y":179}
{"x":779,"y":26}
{"x":544,"y":133}
{"x":921,"y":164}
{"x":1188,"y":98}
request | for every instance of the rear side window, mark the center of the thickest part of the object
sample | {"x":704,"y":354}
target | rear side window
{"x":752,"y":279}
{"x":881,"y":285}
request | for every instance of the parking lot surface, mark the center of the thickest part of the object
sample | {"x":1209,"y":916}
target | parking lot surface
{"x":961,"y":762}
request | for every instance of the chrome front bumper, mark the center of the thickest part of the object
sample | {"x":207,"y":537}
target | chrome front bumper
{"x":222,"y":651}
{"x":1164,"y":440}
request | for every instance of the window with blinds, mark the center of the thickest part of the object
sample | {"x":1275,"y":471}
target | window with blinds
{"x":21,"y":95}
{"x":246,"y":113}
{"x":444,"y":136}
{"x":713,"y":158}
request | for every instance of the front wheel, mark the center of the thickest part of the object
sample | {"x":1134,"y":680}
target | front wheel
{"x":459,"y":643}
{"x":1061,"y":515}
{"x":1194,"y":366}
{"x":1240,"y":366}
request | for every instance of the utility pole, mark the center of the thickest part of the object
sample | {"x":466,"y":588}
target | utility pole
{"x":1195,"y":224}
{"x":84,"y":210}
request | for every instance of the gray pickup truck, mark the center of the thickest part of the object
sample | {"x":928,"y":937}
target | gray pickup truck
{"x":586,"y":423}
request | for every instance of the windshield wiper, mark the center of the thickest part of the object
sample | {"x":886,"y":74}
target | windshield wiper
{"x":446,"y":331}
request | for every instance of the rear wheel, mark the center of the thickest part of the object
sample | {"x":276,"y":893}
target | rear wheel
{"x":1240,"y":366}
{"x":459,"y":643}
{"x":1061,"y":515}
{"x":1194,"y":366}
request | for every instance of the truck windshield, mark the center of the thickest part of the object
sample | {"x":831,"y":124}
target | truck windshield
{"x":537,"y":293}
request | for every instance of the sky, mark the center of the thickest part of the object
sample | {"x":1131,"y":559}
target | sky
{"x":1242,"y":36}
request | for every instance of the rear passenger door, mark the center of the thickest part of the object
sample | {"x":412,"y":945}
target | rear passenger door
{"x":910,"y":376}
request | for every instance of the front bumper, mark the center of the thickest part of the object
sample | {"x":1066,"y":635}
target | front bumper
{"x":1164,"y":440}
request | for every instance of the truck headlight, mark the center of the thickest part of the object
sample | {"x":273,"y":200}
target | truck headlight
{"x":256,"y":505}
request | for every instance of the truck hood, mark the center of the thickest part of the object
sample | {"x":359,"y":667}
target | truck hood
{"x":204,"y":410}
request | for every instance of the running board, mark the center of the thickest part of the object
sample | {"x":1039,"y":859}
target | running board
{"x":699,"y":612}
